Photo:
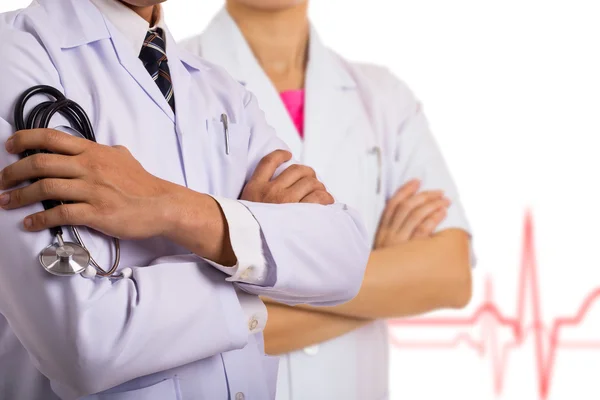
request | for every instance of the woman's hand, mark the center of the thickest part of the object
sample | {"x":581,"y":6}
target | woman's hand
{"x":409,"y":215}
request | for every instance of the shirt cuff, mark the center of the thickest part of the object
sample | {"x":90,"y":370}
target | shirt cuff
{"x":246,"y":241}
{"x":254,"y":310}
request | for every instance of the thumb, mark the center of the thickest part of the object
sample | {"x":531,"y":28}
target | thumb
{"x":268,"y":165}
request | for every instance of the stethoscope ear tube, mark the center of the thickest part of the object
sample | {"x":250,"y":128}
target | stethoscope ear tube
{"x":61,"y":258}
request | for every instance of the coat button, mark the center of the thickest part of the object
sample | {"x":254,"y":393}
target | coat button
{"x":246,"y":274}
{"x":253,"y":324}
{"x":312,"y":350}
{"x":239,"y":396}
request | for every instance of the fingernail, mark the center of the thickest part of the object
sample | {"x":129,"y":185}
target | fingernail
{"x":28,"y":223}
{"x":9,"y":145}
{"x":4,"y":199}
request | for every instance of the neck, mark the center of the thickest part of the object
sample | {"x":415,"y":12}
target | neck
{"x":278,"y":39}
{"x":149,"y":13}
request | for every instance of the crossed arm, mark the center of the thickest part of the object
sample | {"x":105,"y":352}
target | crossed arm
{"x":111,"y":192}
{"x":411,"y":271}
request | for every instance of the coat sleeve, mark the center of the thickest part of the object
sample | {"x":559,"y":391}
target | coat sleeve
{"x":410,"y":149}
{"x":413,"y":153}
{"x":90,"y":335}
{"x":315,"y":254}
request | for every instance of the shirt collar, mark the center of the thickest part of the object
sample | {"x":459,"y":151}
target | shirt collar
{"x":128,"y":23}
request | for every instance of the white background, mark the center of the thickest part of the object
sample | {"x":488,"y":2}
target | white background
{"x":512,"y":90}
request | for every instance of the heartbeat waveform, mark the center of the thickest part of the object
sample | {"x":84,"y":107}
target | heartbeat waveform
{"x":491,"y":319}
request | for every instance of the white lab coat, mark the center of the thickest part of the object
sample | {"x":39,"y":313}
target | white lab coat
{"x":365,"y":135}
{"x":176,"y":329}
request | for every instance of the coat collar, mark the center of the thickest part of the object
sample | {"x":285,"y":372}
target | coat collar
{"x":79,"y":22}
{"x":327,"y":83}
{"x":223,"y":43}
{"x":76,"y":22}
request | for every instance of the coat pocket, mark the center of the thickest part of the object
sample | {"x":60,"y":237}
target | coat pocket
{"x":164,"y":390}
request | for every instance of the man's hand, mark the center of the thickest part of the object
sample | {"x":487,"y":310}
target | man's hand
{"x":297,"y":184}
{"x":409,"y":215}
{"x":111,"y":191}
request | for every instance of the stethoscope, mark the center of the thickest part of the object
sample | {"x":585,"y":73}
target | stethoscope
{"x":64,"y":258}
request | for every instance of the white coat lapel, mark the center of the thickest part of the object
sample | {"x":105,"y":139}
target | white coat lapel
{"x":136,"y":69}
{"x":223,"y":44}
{"x":79,"y":22}
{"x":333,"y":105}
{"x":190,"y":121}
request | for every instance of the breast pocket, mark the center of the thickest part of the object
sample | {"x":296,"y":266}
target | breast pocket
{"x":229,"y":145}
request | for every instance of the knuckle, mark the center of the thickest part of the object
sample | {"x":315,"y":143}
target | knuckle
{"x":423,"y":211}
{"x":292,"y":169}
{"x":64,"y":213}
{"x":103,"y":207}
{"x":39,"y":162}
{"x":416,"y":200}
{"x":16,"y":196}
{"x":304,"y":170}
{"x":402,"y":208}
{"x":122,"y":149}
{"x":441,"y":203}
{"x":269,"y":196}
{"x":297,"y":169}
{"x":52,"y":136}
{"x":95,"y":165}
{"x":318,"y":185}
{"x":280,"y":197}
{"x":424,"y":228}
{"x":396,"y":200}
{"x":324,"y":197}
{"x":400,"y":196}
{"x":47,"y":187}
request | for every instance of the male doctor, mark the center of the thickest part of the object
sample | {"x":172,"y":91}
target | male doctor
{"x":186,"y":324}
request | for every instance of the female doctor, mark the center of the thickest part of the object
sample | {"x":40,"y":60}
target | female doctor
{"x":365,"y":134}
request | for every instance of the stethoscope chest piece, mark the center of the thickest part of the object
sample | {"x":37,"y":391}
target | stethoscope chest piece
{"x":65,"y":260}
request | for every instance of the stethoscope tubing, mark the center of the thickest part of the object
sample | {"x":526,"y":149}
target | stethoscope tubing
{"x":40,"y":117}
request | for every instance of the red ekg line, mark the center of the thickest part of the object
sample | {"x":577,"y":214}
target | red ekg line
{"x":492,"y":319}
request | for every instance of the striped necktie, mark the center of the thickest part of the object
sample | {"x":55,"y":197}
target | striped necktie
{"x":154,"y":57}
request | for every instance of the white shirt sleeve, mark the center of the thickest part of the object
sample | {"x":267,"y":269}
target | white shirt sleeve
{"x":255,"y":311}
{"x":247,"y":244}
{"x":251,"y":268}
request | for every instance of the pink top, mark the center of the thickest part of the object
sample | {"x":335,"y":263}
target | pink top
{"x":294,"y":102}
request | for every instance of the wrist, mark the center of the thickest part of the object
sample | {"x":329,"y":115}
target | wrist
{"x":195,"y":221}
{"x":172,"y":209}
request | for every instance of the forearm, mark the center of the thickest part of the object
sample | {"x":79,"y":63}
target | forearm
{"x":196,"y":222}
{"x":413,"y":278}
{"x":292,"y":328}
{"x":318,"y":253}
